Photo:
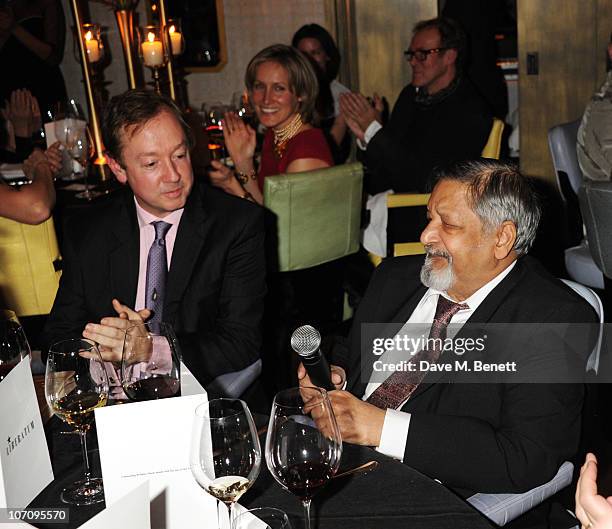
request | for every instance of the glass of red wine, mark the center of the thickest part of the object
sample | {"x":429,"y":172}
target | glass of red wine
{"x":303,"y":443}
{"x":13,"y":342}
{"x":151,"y":362}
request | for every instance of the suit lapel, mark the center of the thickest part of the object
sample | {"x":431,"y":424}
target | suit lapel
{"x":192,"y":232}
{"x":124,"y":249}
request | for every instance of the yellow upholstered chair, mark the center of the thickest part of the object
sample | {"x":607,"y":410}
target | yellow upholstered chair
{"x":493,"y":147}
{"x":29,"y":266}
{"x":402,"y":200}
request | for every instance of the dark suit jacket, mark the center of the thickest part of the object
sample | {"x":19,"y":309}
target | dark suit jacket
{"x":215,"y":286}
{"x":497,"y":436}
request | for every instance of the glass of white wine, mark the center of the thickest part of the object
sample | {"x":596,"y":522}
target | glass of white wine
{"x":76,"y":383}
{"x":225,"y":451}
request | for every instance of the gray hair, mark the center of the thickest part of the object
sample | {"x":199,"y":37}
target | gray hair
{"x":497,"y":192}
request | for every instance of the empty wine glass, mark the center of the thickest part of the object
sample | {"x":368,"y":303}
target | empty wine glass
{"x":81,"y":150}
{"x":263,"y":518}
{"x":76,"y":384}
{"x":303,"y":443}
{"x":14,"y":345}
{"x":68,"y":124}
{"x":225,"y":451}
{"x":151,"y":362}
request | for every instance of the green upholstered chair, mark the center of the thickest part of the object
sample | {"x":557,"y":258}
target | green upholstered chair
{"x":318,"y":214}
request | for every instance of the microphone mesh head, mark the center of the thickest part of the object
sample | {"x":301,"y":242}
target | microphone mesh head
{"x":305,"y":340}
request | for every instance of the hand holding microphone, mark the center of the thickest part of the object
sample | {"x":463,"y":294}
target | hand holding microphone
{"x":306,"y":341}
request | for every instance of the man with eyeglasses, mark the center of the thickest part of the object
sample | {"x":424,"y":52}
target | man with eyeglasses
{"x":438,"y":118}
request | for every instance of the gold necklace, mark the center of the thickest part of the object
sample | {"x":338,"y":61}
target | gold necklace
{"x":282,"y":136}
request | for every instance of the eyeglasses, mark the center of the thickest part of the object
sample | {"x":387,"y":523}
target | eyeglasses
{"x":421,"y":55}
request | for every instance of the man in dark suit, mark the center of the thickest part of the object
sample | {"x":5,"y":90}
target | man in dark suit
{"x":214,"y":255}
{"x":506,"y":431}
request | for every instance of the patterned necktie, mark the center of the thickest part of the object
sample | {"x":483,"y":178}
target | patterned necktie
{"x":157,"y":270}
{"x":401,"y":384}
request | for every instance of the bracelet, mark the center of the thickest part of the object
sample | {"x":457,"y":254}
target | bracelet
{"x":243,"y":178}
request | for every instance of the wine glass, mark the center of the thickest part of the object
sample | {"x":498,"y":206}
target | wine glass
{"x":14,"y":345}
{"x":68,"y":124}
{"x":76,"y":384}
{"x":225,"y":451}
{"x":303,"y":444}
{"x":214,"y":127}
{"x":151,"y":362}
{"x":269,"y":516}
{"x":81,"y":149}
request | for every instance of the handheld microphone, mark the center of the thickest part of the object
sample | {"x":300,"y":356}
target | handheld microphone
{"x":306,"y":341}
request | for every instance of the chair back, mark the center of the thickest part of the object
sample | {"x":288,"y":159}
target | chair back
{"x":595,"y":301}
{"x":318,"y":214}
{"x":562,"y":144}
{"x":29,"y":266}
{"x":492,"y":148}
{"x":596,"y":207}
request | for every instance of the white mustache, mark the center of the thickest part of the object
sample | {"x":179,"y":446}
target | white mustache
{"x":433,"y":252}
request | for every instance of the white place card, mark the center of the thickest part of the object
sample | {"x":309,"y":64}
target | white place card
{"x":150,"y":441}
{"x":189,"y":383}
{"x":130,"y":511}
{"x":25,"y":466}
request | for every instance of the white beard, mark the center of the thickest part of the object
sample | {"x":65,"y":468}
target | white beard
{"x":441,"y":280}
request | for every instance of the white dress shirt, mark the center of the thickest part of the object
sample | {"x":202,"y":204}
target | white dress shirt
{"x":147,"y":236}
{"x":368,"y":134}
{"x":397,"y":423}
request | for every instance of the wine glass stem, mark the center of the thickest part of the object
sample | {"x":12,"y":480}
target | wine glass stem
{"x":83,"y":436}
{"x":306,"y":504}
{"x":230,"y":513}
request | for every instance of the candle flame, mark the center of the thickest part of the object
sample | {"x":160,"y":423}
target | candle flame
{"x":172,"y":29}
{"x":88,"y":35}
{"x":151,"y":37}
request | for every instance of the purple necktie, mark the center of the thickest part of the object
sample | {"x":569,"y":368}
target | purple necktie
{"x":401,"y":384}
{"x":157,"y":270}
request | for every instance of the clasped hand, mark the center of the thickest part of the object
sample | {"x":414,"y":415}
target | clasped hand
{"x":240,"y":140}
{"x":109,"y":334}
{"x":359,"y":112}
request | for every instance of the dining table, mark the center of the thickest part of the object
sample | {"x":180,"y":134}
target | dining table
{"x":392,"y":496}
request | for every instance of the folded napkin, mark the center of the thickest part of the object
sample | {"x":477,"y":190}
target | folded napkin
{"x":11,"y":171}
{"x":375,"y":234}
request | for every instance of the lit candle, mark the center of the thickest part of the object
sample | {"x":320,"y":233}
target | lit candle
{"x":152,"y":51}
{"x":93,"y":48}
{"x":176,"y":40}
